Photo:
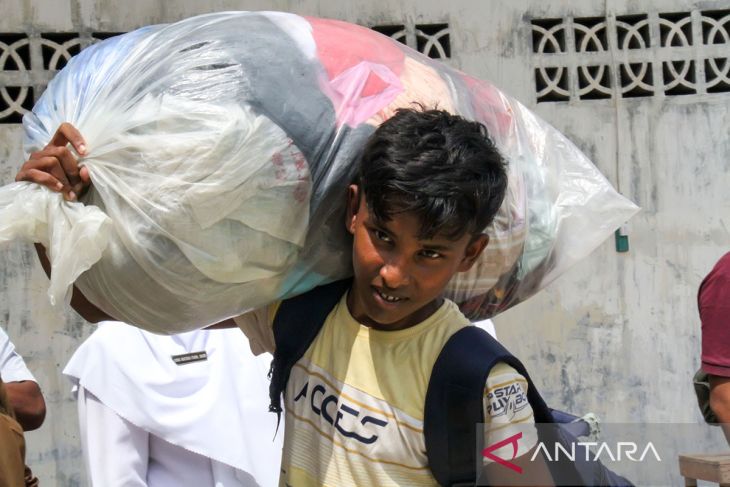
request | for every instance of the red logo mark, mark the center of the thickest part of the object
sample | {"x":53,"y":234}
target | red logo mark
{"x":487,"y":452}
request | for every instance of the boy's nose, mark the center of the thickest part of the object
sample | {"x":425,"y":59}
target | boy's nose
{"x":394,"y":275}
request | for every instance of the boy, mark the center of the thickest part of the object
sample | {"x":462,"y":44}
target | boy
{"x":428,"y":184}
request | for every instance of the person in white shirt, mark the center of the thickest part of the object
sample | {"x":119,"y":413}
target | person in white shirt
{"x":180,"y":410}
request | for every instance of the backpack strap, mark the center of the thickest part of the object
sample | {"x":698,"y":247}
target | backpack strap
{"x":296,"y":325}
{"x":454,"y":403}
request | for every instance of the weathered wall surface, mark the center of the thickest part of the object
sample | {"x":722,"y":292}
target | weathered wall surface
{"x":618,"y":334}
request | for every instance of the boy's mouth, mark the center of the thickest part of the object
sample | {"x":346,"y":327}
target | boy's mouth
{"x":388,"y":298}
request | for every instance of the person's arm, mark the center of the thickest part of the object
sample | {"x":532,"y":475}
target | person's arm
{"x":27,"y":402}
{"x":510,"y":433}
{"x":720,"y":401}
{"x":531,"y":472}
{"x":222,"y":325}
{"x":79,"y":303}
{"x":56,"y":168}
{"x":22,"y":393}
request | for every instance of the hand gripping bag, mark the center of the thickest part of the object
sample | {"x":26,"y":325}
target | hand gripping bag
{"x":220,"y":148}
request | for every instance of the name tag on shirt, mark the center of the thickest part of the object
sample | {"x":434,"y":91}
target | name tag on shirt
{"x":189,"y":358}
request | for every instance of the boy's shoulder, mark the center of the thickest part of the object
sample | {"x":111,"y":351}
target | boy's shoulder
{"x":257,"y":326}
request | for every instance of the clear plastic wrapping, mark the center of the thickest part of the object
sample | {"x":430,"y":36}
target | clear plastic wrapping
{"x":220,"y":148}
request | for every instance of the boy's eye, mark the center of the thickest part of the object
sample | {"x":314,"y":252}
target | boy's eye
{"x":430,"y":254}
{"x":380,"y":235}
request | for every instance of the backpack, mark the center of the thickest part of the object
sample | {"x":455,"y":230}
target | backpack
{"x":453,"y":405}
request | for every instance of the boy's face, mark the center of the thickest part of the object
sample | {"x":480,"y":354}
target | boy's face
{"x":399,"y":278}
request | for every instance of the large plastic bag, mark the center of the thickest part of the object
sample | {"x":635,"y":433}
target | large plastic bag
{"x":220,"y":148}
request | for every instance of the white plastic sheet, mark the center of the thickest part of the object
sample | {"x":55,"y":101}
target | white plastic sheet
{"x":220,"y":148}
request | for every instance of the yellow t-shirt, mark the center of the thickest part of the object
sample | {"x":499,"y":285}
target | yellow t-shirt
{"x":354,"y":402}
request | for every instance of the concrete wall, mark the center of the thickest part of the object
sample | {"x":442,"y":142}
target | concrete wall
{"x":618,"y":334}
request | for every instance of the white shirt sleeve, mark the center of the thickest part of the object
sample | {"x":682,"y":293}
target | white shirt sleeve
{"x":12,"y":366}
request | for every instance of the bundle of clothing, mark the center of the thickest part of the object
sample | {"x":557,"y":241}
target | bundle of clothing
{"x":220,"y":149}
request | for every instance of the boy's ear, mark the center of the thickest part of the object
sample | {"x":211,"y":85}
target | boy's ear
{"x":353,"y":205}
{"x":473,"y":251}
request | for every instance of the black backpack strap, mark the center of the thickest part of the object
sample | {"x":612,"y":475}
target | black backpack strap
{"x":296,"y":325}
{"x":454,"y":403}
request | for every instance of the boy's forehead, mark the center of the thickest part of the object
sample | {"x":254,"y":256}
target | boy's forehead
{"x":410,"y":224}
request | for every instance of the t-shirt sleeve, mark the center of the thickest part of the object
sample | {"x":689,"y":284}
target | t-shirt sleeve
{"x":508,"y":416}
{"x":12,"y":366}
{"x":257,"y":325}
{"x":714,"y":306}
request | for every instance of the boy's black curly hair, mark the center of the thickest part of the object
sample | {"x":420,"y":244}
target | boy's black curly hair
{"x":440,"y":166}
